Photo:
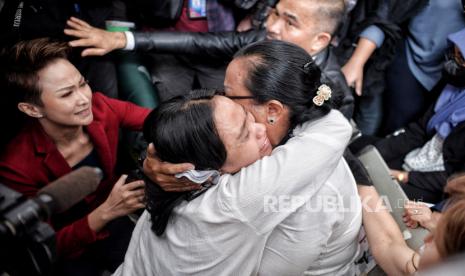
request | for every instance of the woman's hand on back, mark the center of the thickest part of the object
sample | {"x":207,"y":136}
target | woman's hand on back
{"x":163,"y":173}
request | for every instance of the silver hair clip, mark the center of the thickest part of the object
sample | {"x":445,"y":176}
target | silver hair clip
{"x":323,"y":94}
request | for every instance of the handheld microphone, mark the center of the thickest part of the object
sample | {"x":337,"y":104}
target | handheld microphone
{"x":69,"y":189}
{"x":56,"y":197}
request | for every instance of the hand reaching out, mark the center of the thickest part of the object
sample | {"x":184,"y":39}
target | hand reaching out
{"x":353,"y":73}
{"x":353,"y":69}
{"x":418,"y":213}
{"x":97,"y":41}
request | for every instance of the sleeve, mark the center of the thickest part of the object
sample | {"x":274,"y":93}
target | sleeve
{"x":413,"y":136}
{"x":130,"y":43}
{"x":358,"y":170}
{"x":18,"y":180}
{"x":71,"y":239}
{"x":439,"y":207}
{"x":431,"y":181}
{"x":298,"y":168}
{"x":374,"y":34}
{"x":221,"y":45}
{"x":131,"y":116}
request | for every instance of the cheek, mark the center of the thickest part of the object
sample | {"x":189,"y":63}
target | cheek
{"x":88,"y":93}
{"x":272,"y":135}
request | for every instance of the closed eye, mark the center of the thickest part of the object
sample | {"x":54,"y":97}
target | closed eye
{"x":66,"y":94}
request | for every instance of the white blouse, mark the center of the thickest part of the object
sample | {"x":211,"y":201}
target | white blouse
{"x":226,"y":229}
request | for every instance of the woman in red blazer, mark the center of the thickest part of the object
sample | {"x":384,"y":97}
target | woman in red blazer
{"x":67,"y":127}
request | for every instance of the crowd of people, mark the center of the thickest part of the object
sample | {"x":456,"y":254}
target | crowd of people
{"x":238,"y":123}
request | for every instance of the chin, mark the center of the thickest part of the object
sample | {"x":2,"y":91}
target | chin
{"x":87,"y":121}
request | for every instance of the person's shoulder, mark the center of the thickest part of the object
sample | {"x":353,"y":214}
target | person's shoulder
{"x":19,"y":153}
{"x":334,"y":117}
{"x":332,"y":125}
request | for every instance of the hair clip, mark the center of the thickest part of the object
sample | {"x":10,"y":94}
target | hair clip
{"x":323,"y":94}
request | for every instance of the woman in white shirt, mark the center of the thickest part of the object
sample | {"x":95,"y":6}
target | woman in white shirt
{"x":259,"y":220}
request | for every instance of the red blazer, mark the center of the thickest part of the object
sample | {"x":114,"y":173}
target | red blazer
{"x":31,"y":161}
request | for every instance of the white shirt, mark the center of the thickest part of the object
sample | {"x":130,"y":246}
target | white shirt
{"x":225,"y":230}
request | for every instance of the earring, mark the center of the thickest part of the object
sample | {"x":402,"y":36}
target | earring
{"x":39,"y":116}
{"x":271,"y":120}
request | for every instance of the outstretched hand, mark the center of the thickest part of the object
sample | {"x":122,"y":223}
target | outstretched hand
{"x":163,"y":173}
{"x":418,"y":213}
{"x":353,"y":73}
{"x":97,"y":41}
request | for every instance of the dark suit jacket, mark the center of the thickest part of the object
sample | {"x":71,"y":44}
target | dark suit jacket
{"x":31,"y":161}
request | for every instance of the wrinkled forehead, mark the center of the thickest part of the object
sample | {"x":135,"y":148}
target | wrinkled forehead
{"x":58,"y":73}
{"x":237,"y":73}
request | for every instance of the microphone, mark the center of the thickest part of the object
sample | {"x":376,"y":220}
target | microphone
{"x":58,"y":196}
{"x":69,"y":189}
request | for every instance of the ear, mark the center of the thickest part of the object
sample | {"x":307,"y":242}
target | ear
{"x":30,"y":110}
{"x":320,"y":42}
{"x":275,"y":109}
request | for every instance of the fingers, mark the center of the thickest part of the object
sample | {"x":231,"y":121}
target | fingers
{"x":153,"y":163}
{"x":121,"y":180}
{"x":138,"y":195}
{"x":76,"y":25}
{"x":80,"y":43}
{"x":134,"y":199}
{"x":169,"y":168}
{"x":182,"y":188}
{"x":76,"y":33}
{"x":79,"y":22}
{"x":135,"y":185}
{"x":151,"y":151}
{"x":93,"y":52}
{"x":358,"y":86}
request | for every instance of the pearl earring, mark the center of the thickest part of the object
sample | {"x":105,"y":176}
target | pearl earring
{"x":271,"y":120}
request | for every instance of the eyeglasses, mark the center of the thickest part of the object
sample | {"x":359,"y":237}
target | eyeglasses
{"x":222,"y":93}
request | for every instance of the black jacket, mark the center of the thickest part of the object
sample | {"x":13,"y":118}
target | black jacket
{"x":223,"y":45}
{"x":415,"y":136}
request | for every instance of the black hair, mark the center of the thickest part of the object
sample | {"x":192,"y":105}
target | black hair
{"x":19,"y":79}
{"x":183,"y":131}
{"x":284,"y":72}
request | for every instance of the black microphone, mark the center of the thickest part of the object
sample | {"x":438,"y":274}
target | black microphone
{"x":56,"y":197}
{"x":69,"y":189}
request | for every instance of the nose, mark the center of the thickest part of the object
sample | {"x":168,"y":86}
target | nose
{"x":82,"y":97}
{"x":273,"y":26}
